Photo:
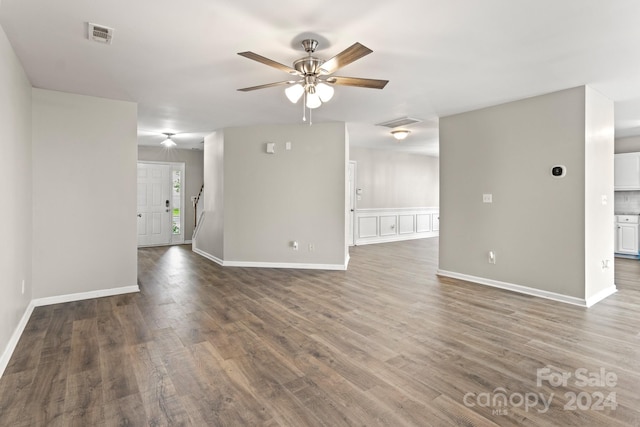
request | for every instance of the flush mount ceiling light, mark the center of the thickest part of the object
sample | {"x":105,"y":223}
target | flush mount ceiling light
{"x":314,"y":83}
{"x":169,"y":143}
{"x":400,"y":134}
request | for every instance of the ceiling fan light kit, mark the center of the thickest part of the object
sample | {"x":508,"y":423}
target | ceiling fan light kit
{"x":315,"y":84}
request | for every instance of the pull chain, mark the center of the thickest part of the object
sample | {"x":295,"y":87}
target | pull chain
{"x":304,"y":106}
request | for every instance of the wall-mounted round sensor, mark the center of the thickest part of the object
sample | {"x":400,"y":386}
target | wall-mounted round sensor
{"x":558,"y":171}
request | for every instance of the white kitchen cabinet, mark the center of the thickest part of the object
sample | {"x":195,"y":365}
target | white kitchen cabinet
{"x":627,"y":235}
{"x":626,"y":171}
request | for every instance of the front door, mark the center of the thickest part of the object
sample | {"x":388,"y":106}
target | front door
{"x":154,"y":204}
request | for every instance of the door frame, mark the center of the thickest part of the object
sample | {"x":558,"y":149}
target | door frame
{"x":179,"y":166}
{"x":353,"y":202}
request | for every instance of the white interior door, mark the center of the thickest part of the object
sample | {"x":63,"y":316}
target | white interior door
{"x":154,"y":204}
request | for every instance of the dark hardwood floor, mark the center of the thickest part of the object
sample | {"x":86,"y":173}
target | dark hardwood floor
{"x":386,"y":343}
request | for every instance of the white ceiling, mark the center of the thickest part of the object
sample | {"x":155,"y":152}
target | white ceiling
{"x":177,"y":59}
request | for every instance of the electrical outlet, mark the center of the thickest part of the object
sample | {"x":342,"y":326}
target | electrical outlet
{"x":487,"y":198}
{"x":294,"y":245}
{"x":311,"y":247}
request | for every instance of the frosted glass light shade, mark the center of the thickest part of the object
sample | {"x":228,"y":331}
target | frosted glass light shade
{"x":400,"y":134}
{"x":294,"y":92}
{"x":313,"y":100}
{"x":324,"y":91}
{"x":168,"y":142}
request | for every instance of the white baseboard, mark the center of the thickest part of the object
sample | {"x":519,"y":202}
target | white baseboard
{"x":15,"y":337}
{"x":530,"y":291}
{"x":599,"y":296}
{"x":395,"y":238}
{"x":39,"y":302}
{"x":295,"y":265}
{"x":208,"y":256}
{"x":188,"y":242}
{"x":58,"y":299}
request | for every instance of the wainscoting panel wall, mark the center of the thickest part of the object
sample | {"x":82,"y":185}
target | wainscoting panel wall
{"x":390,"y":225}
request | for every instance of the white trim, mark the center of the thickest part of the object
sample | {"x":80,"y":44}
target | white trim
{"x":58,"y":299}
{"x":198,"y":225}
{"x":188,"y":242}
{"x":599,"y":296}
{"x":521,"y":289}
{"x":396,"y":238}
{"x":208,"y":256}
{"x":295,"y":265}
{"x":376,"y":210}
{"x":252,"y":264}
{"x":15,"y":337}
{"x":39,"y":302}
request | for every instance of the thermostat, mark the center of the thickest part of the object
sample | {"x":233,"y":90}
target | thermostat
{"x":558,"y":171}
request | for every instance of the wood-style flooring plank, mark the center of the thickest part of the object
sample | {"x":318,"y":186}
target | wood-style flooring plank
{"x":385,"y":343}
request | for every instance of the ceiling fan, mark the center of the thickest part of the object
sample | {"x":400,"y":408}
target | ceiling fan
{"x":314,"y":74}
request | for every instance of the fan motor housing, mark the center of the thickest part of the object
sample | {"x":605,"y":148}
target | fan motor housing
{"x":308,"y":65}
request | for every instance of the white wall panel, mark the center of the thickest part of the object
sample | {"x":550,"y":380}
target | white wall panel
{"x":389,"y":225}
{"x":406,"y":224}
{"x":368,"y":227}
{"x":423,"y":223}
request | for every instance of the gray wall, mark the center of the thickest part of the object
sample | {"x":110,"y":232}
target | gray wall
{"x":84,"y":193}
{"x":15,"y":151}
{"x":270,"y":200}
{"x":396,"y":180}
{"x":193,"y":160}
{"x":629,"y":144}
{"x":536,"y":223}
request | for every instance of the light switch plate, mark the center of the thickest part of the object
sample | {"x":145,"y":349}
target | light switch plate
{"x":271,"y":147}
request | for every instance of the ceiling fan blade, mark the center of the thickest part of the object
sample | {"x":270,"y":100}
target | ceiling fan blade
{"x":355,"y":81}
{"x":247,"y":89}
{"x":268,"y":62}
{"x":346,"y":57}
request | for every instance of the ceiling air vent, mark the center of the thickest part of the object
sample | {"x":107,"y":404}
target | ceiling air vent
{"x":100,"y":33}
{"x":404,"y":121}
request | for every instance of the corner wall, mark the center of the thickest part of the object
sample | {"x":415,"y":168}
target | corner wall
{"x":536,"y":223}
{"x":15,"y":174}
{"x":84,"y":194}
{"x":599,"y":213}
{"x":209,"y":238}
{"x":257,"y":203}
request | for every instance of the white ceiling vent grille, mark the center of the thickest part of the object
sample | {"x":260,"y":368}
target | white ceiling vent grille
{"x":404,"y":121}
{"x":100,"y":33}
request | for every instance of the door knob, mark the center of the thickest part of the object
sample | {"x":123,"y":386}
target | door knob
{"x":139,"y":215}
